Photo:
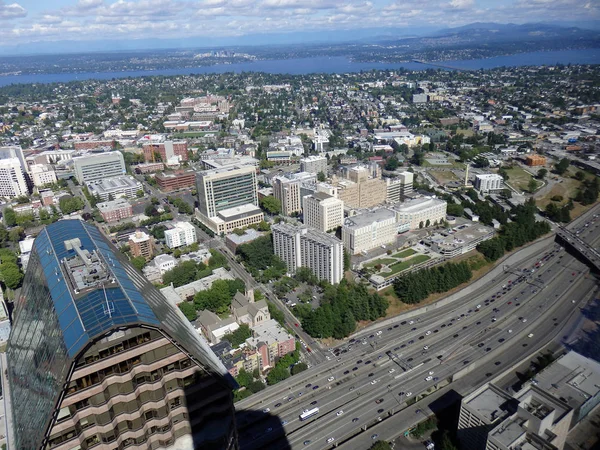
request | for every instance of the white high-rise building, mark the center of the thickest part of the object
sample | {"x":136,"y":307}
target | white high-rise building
{"x":488,"y":182}
{"x":12,"y":178}
{"x":369,"y":230}
{"x":184,"y":233}
{"x":399,"y":188}
{"x":98,"y":166}
{"x":42,"y":174}
{"x":314,"y":164}
{"x":322,"y":211}
{"x":306,"y":247}
{"x":286,"y":189}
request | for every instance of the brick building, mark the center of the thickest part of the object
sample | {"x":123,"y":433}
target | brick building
{"x":176,"y":180}
{"x":114,"y":210}
{"x":166,"y":150}
{"x":535,"y":160}
{"x":140,"y":244}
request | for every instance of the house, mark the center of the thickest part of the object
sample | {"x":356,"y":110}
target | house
{"x":249,"y":312}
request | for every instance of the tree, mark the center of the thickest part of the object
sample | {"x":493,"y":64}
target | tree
{"x":16,"y":234}
{"x":139,"y":193}
{"x":70,"y":204}
{"x":579,"y":175}
{"x":10,"y":217}
{"x":270,"y":204}
{"x":532,"y":185}
{"x":188,"y":310}
{"x":244,"y":378}
{"x":11,"y":275}
{"x":277,"y":374}
{"x":541,"y":174}
{"x":321,"y":176}
{"x":3,"y":233}
{"x":561,"y":166}
{"x":139,"y":262}
{"x":300,"y":367}
{"x":503,"y":173}
{"x":7,"y":255}
{"x":455,"y":209}
{"x":392,"y":163}
{"x":380,"y":445}
{"x":182,"y":274}
{"x":239,"y":336}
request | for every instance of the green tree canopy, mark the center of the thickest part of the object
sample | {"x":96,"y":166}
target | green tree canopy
{"x":11,"y":275}
{"x":270,"y":204}
{"x":188,"y":310}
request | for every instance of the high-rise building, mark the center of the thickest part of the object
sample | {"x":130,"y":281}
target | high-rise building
{"x":306,"y":247}
{"x":97,"y":357}
{"x":42,"y":174}
{"x":322,"y":211}
{"x":140,"y":244}
{"x":286,"y":189}
{"x":221,"y":189}
{"x":488,"y":182}
{"x":363,"y":187}
{"x":98,"y":166}
{"x":420,"y":212}
{"x":183,"y":233}
{"x":314,"y":164}
{"x":398,"y":189}
{"x":369,"y":230}
{"x":12,"y":178}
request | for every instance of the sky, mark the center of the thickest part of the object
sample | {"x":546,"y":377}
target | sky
{"x":45,"y":21}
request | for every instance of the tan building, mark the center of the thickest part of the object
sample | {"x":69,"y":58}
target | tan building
{"x":42,"y":174}
{"x":535,"y":160}
{"x":420,"y":212}
{"x":322,"y":211}
{"x":286,"y":189}
{"x":363,"y":187}
{"x":140,"y":244}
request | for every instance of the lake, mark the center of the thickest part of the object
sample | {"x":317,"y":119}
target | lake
{"x":339,"y":64}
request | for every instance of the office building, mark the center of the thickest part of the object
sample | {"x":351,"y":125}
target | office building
{"x":168,"y":152}
{"x":369,"y":230}
{"x":399,"y":188}
{"x":535,"y":160}
{"x":114,"y":187}
{"x":98,"y":358}
{"x":42,"y":174}
{"x":140,"y":244}
{"x":228,"y":198}
{"x":182,"y":234}
{"x":322,"y":211}
{"x":98,"y":166}
{"x":363,"y":187}
{"x":489,"y":182}
{"x":114,"y":210}
{"x":12,"y":178}
{"x":314,"y":164}
{"x":460,"y":239}
{"x":490,"y":419}
{"x":286,"y":189}
{"x":172,"y":181}
{"x":306,"y":247}
{"x":419,"y":213}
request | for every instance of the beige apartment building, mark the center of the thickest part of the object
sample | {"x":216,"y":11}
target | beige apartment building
{"x":323,"y":212}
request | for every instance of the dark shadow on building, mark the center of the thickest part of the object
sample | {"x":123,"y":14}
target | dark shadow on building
{"x":258,"y":430}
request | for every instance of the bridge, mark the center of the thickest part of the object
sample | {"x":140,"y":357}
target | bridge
{"x":582,"y":248}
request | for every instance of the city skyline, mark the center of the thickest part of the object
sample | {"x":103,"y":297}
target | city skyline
{"x":230,"y":22}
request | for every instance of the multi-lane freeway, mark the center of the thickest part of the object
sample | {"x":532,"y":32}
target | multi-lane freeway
{"x":366,"y":384}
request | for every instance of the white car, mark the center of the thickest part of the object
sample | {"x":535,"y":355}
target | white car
{"x":429,"y":378}
{"x":330,"y":440}
{"x":379,"y":333}
{"x":510,"y":331}
{"x":426,"y":347}
{"x":411,"y":322}
{"x":339,"y":413}
{"x":330,"y":379}
{"x":391,"y":370}
{"x":428,"y":333}
{"x":524,"y":320}
{"x":374,"y":382}
{"x":266,"y":410}
{"x":431,"y":372}
{"x":530,"y":335}
{"x":408,"y":394}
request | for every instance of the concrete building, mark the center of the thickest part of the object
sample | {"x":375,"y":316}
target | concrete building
{"x":98,"y":166}
{"x":400,"y":188}
{"x":12,"y":178}
{"x":168,"y":152}
{"x":459,"y":240}
{"x":533,"y":419}
{"x":213,"y":328}
{"x":414,"y":214}
{"x":322,"y":211}
{"x":114,"y":210}
{"x":271,"y":342}
{"x":306,"y":247}
{"x":94,"y":343}
{"x":363,"y":187}
{"x":181,"y":235}
{"x":140,"y":244}
{"x":369,"y":230}
{"x":489,"y":182}
{"x":114,"y":187}
{"x":233,"y":241}
{"x":187,"y":291}
{"x":42,"y":174}
{"x":172,"y":181}
{"x":314,"y":164}
{"x":286,"y":188}
{"x":246,"y":311}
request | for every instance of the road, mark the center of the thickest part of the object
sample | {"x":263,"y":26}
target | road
{"x":447,"y":341}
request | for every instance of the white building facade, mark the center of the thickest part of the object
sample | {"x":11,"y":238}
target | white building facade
{"x":184,"y":233}
{"x":323,"y":212}
{"x":369,"y":230}
{"x":416,"y":213}
{"x":488,"y":182}
{"x":98,"y":166}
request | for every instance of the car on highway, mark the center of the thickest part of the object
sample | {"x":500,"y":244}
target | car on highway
{"x":284,"y":422}
{"x":306,"y":442}
{"x":268,"y":430}
{"x":371,"y":374}
{"x":510,"y":331}
{"x":428,"y":333}
{"x":374,"y":436}
{"x":330,"y":440}
{"x":277,"y":405}
{"x":330,"y":379}
{"x":530,"y":335}
{"x":266,"y":410}
{"x":346,"y":372}
{"x":313,"y":403}
{"x":428,"y":378}
{"x":426,"y":347}
{"x":379,"y":411}
{"x":359,"y":361}
{"x":355,"y":419}
{"x":351,"y":388}
{"x":308,"y":385}
{"x":431,"y":372}
{"x":367,"y":362}
{"x":339,"y":413}
{"x":408,"y":394}
{"x":391,"y":370}
{"x":315,"y":387}
{"x":379,"y":400}
{"x":374,"y":382}
{"x":379,"y":333}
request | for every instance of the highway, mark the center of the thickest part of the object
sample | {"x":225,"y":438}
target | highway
{"x":493,"y":327}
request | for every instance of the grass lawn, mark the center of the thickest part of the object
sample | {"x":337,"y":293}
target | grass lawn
{"x":405,"y":253}
{"x":399,"y":267}
{"x":443,"y":176}
{"x":567,"y":189}
{"x":519,"y":178}
{"x":381,"y":261}
{"x":466,"y":133}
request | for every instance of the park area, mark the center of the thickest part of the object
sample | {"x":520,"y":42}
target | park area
{"x":519,"y":179}
{"x":443,"y":176}
{"x":394,"y":264}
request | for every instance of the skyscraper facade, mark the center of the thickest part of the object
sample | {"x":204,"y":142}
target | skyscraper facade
{"x":97,"y":356}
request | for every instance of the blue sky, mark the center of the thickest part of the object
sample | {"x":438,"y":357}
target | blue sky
{"x":29,"y":21}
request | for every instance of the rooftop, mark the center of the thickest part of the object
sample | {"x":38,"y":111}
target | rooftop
{"x":113,"y":204}
{"x":368,"y":218}
{"x":418,"y":203}
{"x":490,"y":403}
{"x":114,"y":183}
{"x":269,"y":332}
{"x":460,"y":235}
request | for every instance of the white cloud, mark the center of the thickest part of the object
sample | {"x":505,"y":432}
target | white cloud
{"x":461,"y":4}
{"x":11,"y":11}
{"x":89,"y":4}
